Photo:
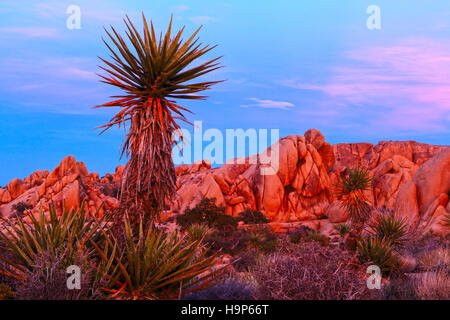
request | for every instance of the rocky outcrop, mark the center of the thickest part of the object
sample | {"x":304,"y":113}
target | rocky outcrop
{"x":302,"y":191}
{"x":69,"y":184}
{"x":411,"y":179}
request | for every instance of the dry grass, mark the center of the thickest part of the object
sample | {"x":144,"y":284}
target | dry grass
{"x":439,"y":257}
{"x":309,"y":272}
{"x":434,"y":285}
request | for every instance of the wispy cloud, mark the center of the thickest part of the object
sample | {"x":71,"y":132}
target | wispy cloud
{"x":32,"y":32}
{"x":202,"y":19}
{"x":408,"y":81}
{"x":180,"y":8}
{"x":268,"y":104}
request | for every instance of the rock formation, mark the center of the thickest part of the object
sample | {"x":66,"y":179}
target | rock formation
{"x":411,"y":179}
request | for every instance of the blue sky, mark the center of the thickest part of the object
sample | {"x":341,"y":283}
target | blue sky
{"x":291,"y":65}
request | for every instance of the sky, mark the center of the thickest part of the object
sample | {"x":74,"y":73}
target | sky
{"x":289,"y":65}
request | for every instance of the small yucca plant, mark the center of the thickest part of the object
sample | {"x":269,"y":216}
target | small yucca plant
{"x":198,"y":231}
{"x":447,"y":220}
{"x":343,"y":228}
{"x":72,"y":231}
{"x":350,"y":189}
{"x":154,"y":265}
{"x":389,"y":228}
{"x":378,"y":252}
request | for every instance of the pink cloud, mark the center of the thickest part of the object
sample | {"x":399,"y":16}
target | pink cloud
{"x":32,"y":32}
{"x":410,"y":81}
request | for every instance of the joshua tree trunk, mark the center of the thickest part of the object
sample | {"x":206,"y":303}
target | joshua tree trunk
{"x":149,"y":177}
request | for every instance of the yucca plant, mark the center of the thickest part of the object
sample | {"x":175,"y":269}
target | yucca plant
{"x":152,"y":71}
{"x":343,"y":228}
{"x":72,"y":231}
{"x":389,"y":228}
{"x":350,"y":189}
{"x":154,"y":265}
{"x":447,"y":220}
{"x":378,"y":252}
{"x":199,"y":231}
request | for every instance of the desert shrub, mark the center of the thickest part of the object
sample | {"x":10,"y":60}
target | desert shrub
{"x":307,"y":236}
{"x":6,"y":292}
{"x":378,"y":252}
{"x":231,"y":243}
{"x":389,"y":228}
{"x":154,"y":265}
{"x":224,"y":223}
{"x":315,"y":236}
{"x":309,"y":272}
{"x":47,"y":280}
{"x":246,"y":259}
{"x":295,"y":237}
{"x":447,"y":219}
{"x":436,"y":258}
{"x":343,"y":228}
{"x":71,"y":230}
{"x":263,"y":239}
{"x":434,"y":285}
{"x":250,"y":216}
{"x":20,"y":208}
{"x":399,"y":287}
{"x":206,"y":211}
{"x":199,"y":231}
{"x":229,"y":288}
{"x":240,"y":240}
{"x":109,"y":189}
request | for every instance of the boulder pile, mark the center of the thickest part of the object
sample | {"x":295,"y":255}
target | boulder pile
{"x":410,"y":179}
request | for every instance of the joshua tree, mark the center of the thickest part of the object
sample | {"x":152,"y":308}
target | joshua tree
{"x":152,"y":72}
{"x":350,"y":188}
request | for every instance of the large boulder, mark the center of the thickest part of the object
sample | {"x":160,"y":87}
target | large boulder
{"x":406,"y":205}
{"x":16,"y":187}
{"x":432,"y":179}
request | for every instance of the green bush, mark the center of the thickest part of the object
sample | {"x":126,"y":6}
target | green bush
{"x":199,"y":231}
{"x":263,"y":239}
{"x":250,"y":216}
{"x":207,"y":212}
{"x":447,"y":220}
{"x":343,"y":228}
{"x":232,"y":243}
{"x":154,"y":265}
{"x":378,"y":252}
{"x":21,"y":207}
{"x":25,"y":241}
{"x":389,"y":228}
{"x":309,"y":235}
{"x":295,"y":237}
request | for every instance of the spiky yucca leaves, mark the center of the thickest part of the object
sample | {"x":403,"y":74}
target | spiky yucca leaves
{"x":151,"y":71}
{"x":343,"y":228}
{"x":199,"y":231}
{"x":377,"y":251}
{"x":72,"y":231}
{"x":447,"y":220}
{"x":390,"y":228}
{"x":154,"y":265}
{"x":350,"y":188}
